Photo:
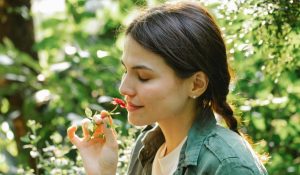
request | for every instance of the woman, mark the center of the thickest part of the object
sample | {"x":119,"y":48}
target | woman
{"x":176,"y":78}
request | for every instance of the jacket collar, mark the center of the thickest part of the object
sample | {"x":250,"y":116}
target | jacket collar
{"x":203,"y":125}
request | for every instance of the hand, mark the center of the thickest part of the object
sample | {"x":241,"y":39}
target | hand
{"x":99,"y":154}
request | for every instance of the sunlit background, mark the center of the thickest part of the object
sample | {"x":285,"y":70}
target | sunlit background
{"x":73,"y":63}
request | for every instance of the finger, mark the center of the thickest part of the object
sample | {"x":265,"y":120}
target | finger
{"x":100,"y":121}
{"x":109,"y":133}
{"x":111,"y":123}
{"x":104,"y":114}
{"x":84,"y":125}
{"x":98,"y":130}
{"x":72,"y":136}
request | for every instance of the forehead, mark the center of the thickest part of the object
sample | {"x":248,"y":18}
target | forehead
{"x":134,"y":53}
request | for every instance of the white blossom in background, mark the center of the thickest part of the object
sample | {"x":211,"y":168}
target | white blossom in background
{"x":5,"y":60}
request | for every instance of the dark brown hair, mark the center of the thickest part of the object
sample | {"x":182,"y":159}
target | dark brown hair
{"x":186,"y":36}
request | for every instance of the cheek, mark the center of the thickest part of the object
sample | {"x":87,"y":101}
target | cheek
{"x":153,"y":94}
{"x":161,"y":97}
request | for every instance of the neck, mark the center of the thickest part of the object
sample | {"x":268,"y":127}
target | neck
{"x":176,"y":129}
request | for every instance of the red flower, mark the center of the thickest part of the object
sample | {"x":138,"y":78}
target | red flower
{"x":117,"y":101}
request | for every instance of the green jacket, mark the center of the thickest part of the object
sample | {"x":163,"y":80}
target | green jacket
{"x":209,"y":150}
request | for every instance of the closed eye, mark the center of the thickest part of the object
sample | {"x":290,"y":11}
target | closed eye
{"x":138,"y":69}
{"x":143,"y":79}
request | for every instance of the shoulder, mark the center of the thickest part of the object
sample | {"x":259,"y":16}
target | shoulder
{"x":224,"y":144}
{"x":225,"y":152}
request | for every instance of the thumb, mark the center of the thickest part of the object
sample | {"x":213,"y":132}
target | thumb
{"x":72,"y":136}
{"x":109,"y":132}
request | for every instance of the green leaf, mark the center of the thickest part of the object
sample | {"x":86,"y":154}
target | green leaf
{"x":25,"y":139}
{"x":88,"y":112}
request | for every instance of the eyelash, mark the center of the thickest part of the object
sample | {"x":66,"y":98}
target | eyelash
{"x":143,"y":79}
{"x":140,"y":78}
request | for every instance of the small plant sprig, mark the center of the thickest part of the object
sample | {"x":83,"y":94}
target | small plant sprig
{"x":95,"y":127}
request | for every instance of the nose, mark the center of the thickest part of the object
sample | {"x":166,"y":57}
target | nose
{"x":126,"y":87}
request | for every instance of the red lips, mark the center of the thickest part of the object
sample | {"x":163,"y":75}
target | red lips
{"x":132,"y":107}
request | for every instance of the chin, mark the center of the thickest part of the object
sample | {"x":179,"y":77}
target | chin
{"x":137,"y":121}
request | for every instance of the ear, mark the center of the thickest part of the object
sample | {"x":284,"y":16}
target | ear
{"x":199,"y":82}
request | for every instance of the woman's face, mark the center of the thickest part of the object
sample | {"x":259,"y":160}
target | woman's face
{"x":151,"y":89}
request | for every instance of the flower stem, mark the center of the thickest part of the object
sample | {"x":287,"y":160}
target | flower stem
{"x":114,"y":109}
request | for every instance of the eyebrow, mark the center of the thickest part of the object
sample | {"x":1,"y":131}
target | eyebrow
{"x":138,"y":66}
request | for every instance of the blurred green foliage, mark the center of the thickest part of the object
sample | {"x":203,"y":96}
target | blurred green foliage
{"x":78,"y":67}
{"x":263,"y":42}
